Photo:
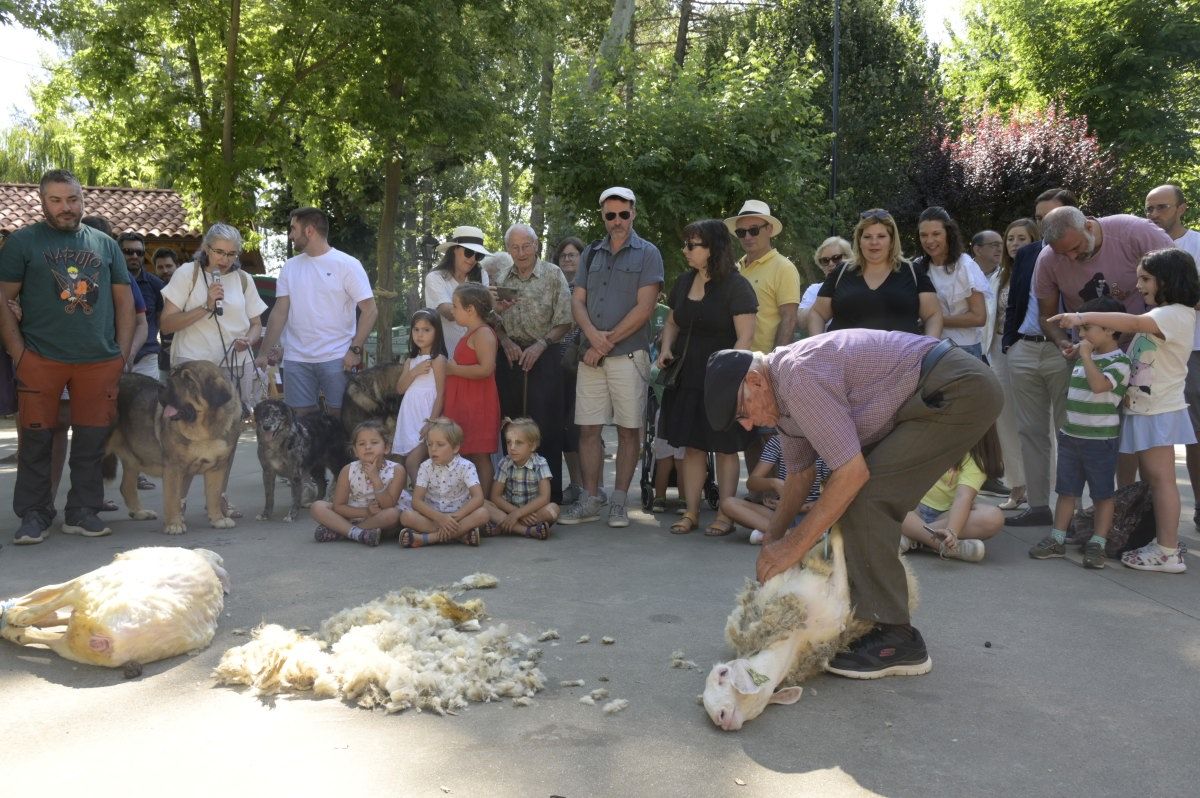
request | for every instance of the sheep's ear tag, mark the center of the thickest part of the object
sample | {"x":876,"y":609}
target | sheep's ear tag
{"x":759,"y":679}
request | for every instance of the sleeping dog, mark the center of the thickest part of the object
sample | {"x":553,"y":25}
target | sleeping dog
{"x":296,"y":447}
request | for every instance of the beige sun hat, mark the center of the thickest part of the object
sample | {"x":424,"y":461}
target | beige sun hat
{"x":466,"y":237}
{"x":756,"y":208}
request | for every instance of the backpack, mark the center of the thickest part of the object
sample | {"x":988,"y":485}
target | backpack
{"x":1133,"y":521}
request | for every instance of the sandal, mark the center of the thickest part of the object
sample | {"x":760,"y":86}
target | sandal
{"x":658,"y":506}
{"x":1012,"y":504}
{"x":719,"y":528}
{"x":539,"y":531}
{"x":491,"y":529}
{"x":471,"y":538}
{"x":685,"y":524}
{"x":412,"y":539}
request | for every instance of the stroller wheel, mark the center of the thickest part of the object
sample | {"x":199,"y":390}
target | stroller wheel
{"x":712,"y":496}
{"x":647,"y":498}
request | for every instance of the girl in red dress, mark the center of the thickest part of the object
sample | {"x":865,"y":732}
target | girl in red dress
{"x":471,"y":397}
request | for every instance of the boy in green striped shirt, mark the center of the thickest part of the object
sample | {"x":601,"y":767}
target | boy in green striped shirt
{"x":1088,"y":441}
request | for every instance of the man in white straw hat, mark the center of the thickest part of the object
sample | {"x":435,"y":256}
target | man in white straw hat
{"x":775,"y":278}
{"x":462,"y":262}
{"x":615,"y":291}
{"x":316,"y":299}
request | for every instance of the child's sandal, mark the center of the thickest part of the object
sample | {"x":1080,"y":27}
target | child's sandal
{"x":490,"y":530}
{"x":471,"y":538}
{"x":412,"y":539}
{"x":685,"y":525}
{"x":539,"y":531}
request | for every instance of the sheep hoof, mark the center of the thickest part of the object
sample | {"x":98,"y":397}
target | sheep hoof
{"x":175,"y":529}
{"x":143,"y":515}
{"x":262,"y":517}
{"x":223,"y":523}
{"x":131,"y":669}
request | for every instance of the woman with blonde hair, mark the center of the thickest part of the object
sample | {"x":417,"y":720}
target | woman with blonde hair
{"x":833,"y":252}
{"x":877,"y":289}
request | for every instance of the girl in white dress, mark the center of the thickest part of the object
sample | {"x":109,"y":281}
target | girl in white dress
{"x":422,"y":385}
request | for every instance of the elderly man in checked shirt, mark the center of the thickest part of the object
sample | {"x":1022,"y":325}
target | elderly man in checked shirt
{"x":890,"y":412}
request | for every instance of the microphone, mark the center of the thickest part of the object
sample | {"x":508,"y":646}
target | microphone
{"x":219,"y":305}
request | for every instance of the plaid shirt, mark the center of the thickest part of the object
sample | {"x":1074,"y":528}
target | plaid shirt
{"x":840,"y":391}
{"x":521,"y":482}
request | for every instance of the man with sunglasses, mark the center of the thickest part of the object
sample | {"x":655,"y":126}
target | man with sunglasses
{"x":613,"y":298}
{"x":889,"y":412}
{"x":775,"y":278}
{"x":145,"y":360}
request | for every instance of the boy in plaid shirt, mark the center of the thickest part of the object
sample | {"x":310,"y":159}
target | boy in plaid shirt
{"x":520,"y":501}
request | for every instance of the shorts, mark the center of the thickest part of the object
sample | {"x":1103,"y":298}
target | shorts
{"x":613,"y":392}
{"x":148,"y":366}
{"x":928,"y":514}
{"x":304,"y":383}
{"x":1139,"y":433}
{"x":1087,"y":460}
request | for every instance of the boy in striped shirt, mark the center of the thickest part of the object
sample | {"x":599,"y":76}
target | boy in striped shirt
{"x":1087,"y":442}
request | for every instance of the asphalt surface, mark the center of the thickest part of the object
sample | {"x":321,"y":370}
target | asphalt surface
{"x":1087,"y":687}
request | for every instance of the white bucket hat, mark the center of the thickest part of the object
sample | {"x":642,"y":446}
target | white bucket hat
{"x":466,"y":237}
{"x":756,"y":208}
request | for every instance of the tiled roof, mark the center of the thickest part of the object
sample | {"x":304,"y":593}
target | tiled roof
{"x":153,"y":212}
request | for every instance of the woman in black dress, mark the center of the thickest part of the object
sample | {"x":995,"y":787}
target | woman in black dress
{"x":712,"y":307}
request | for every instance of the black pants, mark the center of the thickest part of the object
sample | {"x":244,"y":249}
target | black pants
{"x":537,"y":394}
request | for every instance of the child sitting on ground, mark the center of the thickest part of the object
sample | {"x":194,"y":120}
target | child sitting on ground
{"x":520,"y":502}
{"x":760,"y":480}
{"x":1089,"y":440}
{"x":947,"y":520}
{"x":369,"y":495}
{"x":447,"y":503}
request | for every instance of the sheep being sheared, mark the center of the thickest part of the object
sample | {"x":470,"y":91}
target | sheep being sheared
{"x":147,"y":604}
{"x":407,"y":649}
{"x":783,"y":632}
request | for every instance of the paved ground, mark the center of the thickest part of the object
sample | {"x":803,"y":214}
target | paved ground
{"x":1088,"y":687}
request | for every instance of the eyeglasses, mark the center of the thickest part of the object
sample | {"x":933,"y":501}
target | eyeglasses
{"x":523,"y":248}
{"x":690,"y":245}
{"x":742,"y":232}
{"x":832,"y":260}
{"x":876,"y":213}
{"x":1158,"y":208}
{"x":608,"y":217}
{"x":133,"y":252}
{"x":224,"y":253}
{"x":470,"y":253}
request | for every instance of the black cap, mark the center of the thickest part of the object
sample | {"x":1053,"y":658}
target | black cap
{"x":726,"y":370}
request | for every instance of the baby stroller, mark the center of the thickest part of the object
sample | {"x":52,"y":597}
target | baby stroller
{"x":709,"y":492}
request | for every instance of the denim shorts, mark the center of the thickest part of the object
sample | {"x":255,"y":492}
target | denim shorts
{"x":304,"y":382}
{"x":1087,"y":460}
{"x":927,"y":513}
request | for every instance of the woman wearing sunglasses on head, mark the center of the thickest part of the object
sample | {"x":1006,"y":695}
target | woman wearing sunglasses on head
{"x":877,"y":288}
{"x":461,"y":254}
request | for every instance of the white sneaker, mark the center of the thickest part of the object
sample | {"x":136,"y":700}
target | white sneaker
{"x":618,"y":516}
{"x":966,"y":550}
{"x":907,"y":545}
{"x":756,"y":537}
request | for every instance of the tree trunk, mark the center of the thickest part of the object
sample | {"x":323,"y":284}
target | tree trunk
{"x":226,"y":180}
{"x":506,"y":182}
{"x":385,"y":259}
{"x":610,"y":46}
{"x":541,"y":146}
{"x":681,"y":38}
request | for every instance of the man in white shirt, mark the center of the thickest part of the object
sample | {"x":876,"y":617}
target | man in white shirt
{"x":1165,"y":206}
{"x":315,"y":300}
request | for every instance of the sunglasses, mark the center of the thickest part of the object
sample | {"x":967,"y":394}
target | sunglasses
{"x":470,"y":253}
{"x":832,"y":260}
{"x":138,"y":252}
{"x":876,"y":213}
{"x":742,"y":232}
{"x":690,"y":245}
{"x":608,"y":217}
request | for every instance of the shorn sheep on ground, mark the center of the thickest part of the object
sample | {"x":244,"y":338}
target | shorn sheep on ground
{"x":783,"y":632}
{"x":405,"y":650}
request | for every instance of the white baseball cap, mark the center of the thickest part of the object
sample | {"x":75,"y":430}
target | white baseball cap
{"x":618,"y":191}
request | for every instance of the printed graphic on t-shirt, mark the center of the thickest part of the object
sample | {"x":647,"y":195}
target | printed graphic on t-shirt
{"x":77,"y":273}
{"x":1095,"y":288}
{"x":1143,"y":352}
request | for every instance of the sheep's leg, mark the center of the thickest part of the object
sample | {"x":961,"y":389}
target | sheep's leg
{"x":57,"y":641}
{"x":34,"y":608}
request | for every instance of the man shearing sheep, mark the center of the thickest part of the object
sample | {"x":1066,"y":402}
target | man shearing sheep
{"x":890,"y":412}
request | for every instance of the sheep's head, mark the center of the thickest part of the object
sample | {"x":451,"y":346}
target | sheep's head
{"x":735,"y":693}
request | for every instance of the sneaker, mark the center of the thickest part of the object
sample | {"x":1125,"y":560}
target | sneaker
{"x":582,"y":511}
{"x":1034,"y":516}
{"x":87,"y":524}
{"x":32,"y":530}
{"x":966,"y":550}
{"x":369,"y":537}
{"x":571,"y":494}
{"x":1093,"y":554}
{"x":145,"y":484}
{"x":1048,"y":547}
{"x":994,"y":487}
{"x":884,"y":651}
{"x":907,"y":545}
{"x":1151,"y":557}
{"x":756,"y":537}
{"x":618,"y":516}
{"x":324,"y":534}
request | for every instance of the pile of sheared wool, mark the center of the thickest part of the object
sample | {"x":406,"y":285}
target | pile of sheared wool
{"x":408,"y":649}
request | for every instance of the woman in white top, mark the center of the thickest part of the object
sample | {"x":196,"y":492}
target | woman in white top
{"x":831,"y":254}
{"x":461,"y":254}
{"x":215,"y":279}
{"x":961,"y":287}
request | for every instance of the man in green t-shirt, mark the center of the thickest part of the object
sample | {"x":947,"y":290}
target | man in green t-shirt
{"x":74,"y":331}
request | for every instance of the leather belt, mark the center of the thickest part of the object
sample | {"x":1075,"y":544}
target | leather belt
{"x":934,"y":355}
{"x":1037,"y":339}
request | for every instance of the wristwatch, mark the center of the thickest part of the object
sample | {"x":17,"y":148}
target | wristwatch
{"x":357,"y":350}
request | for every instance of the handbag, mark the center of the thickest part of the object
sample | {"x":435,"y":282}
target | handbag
{"x":669,"y":376}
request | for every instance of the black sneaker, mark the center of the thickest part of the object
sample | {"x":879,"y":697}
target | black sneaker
{"x":994,"y":487}
{"x":32,"y":530}
{"x":1034,"y":516}
{"x":884,"y":651}
{"x":87,"y":524}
